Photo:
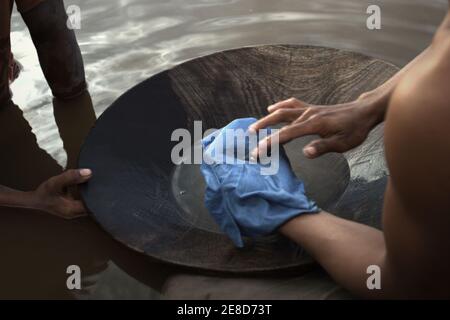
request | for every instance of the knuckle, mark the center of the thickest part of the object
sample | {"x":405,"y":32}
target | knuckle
{"x":278,"y":111}
{"x":279,"y":114}
{"x":293,"y":102}
{"x":314,"y":119}
{"x":310,"y":111}
{"x":283,"y":112}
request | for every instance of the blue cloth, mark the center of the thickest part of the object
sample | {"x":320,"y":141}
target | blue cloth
{"x":243,"y":201}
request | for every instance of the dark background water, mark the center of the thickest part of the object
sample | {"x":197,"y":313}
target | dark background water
{"x":126,"y":41}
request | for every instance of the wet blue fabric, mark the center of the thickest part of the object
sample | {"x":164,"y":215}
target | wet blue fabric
{"x":241,"y":200}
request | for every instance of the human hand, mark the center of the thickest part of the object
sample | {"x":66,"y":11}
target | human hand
{"x":340,"y":127}
{"x":241,"y":199}
{"x":53,"y":196}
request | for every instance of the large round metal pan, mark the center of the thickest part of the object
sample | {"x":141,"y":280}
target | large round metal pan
{"x":144,"y":200}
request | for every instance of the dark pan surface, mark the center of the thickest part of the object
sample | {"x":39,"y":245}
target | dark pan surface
{"x":156,"y":207}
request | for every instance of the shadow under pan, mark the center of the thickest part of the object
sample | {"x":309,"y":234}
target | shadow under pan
{"x":156,"y":207}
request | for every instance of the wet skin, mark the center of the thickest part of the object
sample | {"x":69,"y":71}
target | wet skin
{"x":58,"y":194}
{"x":74,"y":116}
{"x":413,"y":252}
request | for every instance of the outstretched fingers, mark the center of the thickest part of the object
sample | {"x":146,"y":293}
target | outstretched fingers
{"x":287,"y":104}
{"x":279,"y":116}
{"x":287,"y":134}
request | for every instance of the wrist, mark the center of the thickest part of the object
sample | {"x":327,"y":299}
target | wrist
{"x":373,"y":106}
{"x":287,"y":226}
{"x":30,"y":200}
{"x":306,"y":229}
{"x":292,"y":226}
{"x":17,"y":199}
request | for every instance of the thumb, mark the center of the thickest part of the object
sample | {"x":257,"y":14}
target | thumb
{"x":319,"y":147}
{"x":71,"y":177}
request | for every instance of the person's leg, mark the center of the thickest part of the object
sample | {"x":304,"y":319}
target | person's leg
{"x":57,"y":47}
{"x":25,"y":5}
{"x":5,"y":50}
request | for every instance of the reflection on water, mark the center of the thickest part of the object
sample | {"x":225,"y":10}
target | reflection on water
{"x":124,"y":42}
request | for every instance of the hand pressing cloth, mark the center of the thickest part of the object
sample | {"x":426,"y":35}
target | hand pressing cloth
{"x":242,"y":200}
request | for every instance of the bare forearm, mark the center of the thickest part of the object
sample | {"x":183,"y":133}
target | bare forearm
{"x":345,"y":249}
{"x":15,"y":198}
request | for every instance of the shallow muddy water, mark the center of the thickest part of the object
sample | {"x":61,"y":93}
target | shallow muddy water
{"x":124,"y":42}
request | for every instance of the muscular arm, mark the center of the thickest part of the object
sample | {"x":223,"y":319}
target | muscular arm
{"x":417,"y":202}
{"x":414,"y":250}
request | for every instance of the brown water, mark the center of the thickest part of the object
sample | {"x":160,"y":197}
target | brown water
{"x":123,"y":43}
